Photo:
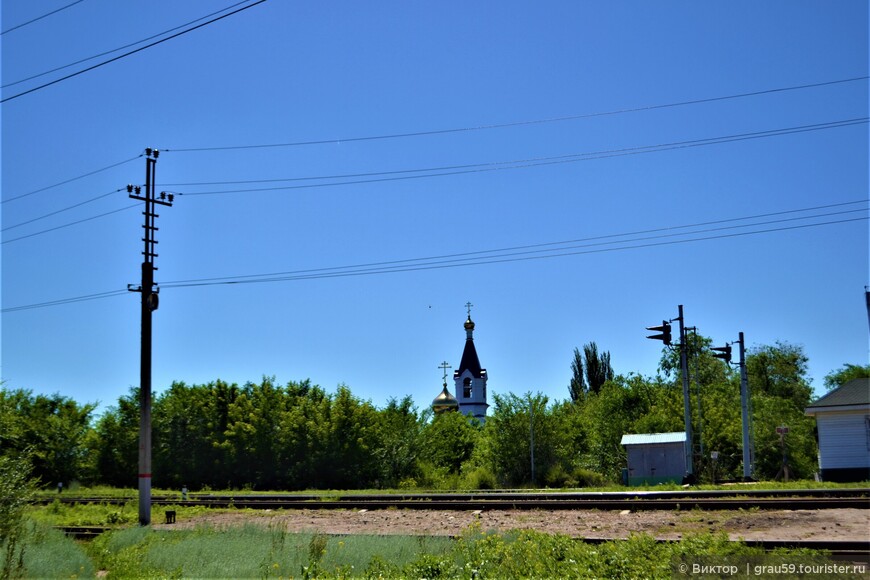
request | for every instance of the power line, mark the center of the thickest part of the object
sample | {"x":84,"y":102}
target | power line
{"x":565,"y":242}
{"x":533,"y":162}
{"x":500,"y":260}
{"x":23,"y":24}
{"x":521,"y":123}
{"x":68,"y":224}
{"x":70,"y":180}
{"x":81,"y":203}
{"x":159,"y":34}
{"x":84,"y":298}
{"x":126,"y":54}
{"x":497,"y":166}
{"x":504,"y":255}
{"x":475,"y":258}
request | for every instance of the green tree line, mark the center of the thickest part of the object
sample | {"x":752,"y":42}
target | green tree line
{"x":263,"y":435}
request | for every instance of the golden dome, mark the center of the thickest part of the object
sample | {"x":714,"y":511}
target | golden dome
{"x":445,"y":402}
{"x":469,"y":325}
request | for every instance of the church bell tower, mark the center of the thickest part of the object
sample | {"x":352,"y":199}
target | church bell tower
{"x":469,"y":378}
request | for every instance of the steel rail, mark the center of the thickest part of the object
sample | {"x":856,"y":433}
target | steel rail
{"x":855,"y":550}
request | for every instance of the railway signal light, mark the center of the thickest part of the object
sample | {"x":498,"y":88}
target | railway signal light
{"x":723,"y":352}
{"x":664,"y":332}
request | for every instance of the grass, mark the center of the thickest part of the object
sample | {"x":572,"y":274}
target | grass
{"x":259,"y":552}
{"x":49,"y":553}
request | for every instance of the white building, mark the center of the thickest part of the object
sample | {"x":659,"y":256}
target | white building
{"x":843,"y":423}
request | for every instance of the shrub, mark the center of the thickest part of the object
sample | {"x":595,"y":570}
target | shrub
{"x":588,"y":478}
{"x":480,"y":478}
{"x":556,"y":476}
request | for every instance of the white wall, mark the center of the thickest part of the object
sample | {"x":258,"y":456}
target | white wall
{"x":843,"y":440}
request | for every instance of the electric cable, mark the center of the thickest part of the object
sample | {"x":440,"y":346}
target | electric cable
{"x":159,"y":34}
{"x":424,"y":263}
{"x":81,"y":203}
{"x":561,"y":243}
{"x":516,"y":164}
{"x":534,"y":162}
{"x":518,"y":123}
{"x":87,"y":219}
{"x":417,"y":264}
{"x":23,"y":24}
{"x":70,"y":180}
{"x":126,"y":54}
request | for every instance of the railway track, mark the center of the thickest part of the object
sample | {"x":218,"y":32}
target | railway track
{"x":855,"y":551}
{"x":813,"y":499}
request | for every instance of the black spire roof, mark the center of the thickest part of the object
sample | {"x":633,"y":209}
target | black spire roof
{"x":469,"y":361}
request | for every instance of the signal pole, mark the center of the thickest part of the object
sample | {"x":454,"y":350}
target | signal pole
{"x":665,"y":336}
{"x":149,"y":304}
{"x":744,"y":409}
{"x":687,"y":404}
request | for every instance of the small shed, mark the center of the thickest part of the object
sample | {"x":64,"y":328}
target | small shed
{"x":843,"y":423}
{"x":655,"y":458}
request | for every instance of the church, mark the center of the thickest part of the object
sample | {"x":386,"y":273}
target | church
{"x":469,"y":381}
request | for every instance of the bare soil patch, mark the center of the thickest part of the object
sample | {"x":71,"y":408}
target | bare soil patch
{"x":822,"y":525}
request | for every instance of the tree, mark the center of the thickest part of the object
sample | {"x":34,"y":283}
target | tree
{"x":598,"y":369}
{"x":16,"y":490}
{"x":844,"y":374}
{"x":780,"y":370}
{"x":589,"y":371}
{"x":115,"y":444}
{"x":52,"y":427}
{"x":398,"y":444}
{"x":449,"y":440}
{"x":577,"y":386}
{"x":517,"y":426}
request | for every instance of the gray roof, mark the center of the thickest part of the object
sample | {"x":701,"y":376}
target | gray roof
{"x":648,"y":438}
{"x":854,"y":392}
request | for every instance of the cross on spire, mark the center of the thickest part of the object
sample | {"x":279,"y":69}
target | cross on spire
{"x":468,"y":305}
{"x":444,"y":366}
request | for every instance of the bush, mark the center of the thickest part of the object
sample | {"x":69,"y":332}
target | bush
{"x":480,"y":478}
{"x":588,"y":478}
{"x":557,"y":477}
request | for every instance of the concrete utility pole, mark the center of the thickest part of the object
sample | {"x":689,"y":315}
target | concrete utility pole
{"x":149,"y":304}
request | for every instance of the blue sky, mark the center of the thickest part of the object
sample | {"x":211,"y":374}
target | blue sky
{"x":294,"y":73}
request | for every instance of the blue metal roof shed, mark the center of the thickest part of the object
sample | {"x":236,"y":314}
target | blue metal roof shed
{"x":655,"y":458}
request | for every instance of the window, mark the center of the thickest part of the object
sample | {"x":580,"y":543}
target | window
{"x":466,"y":388}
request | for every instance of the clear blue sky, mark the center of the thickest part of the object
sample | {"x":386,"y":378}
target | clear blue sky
{"x":296,"y":72}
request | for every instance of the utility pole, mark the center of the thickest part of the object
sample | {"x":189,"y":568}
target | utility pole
{"x":665,"y":336}
{"x":744,"y":410}
{"x":149,"y":304}
{"x":532,"y":435}
{"x":687,"y":405}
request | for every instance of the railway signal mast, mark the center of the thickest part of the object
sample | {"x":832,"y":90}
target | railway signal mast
{"x":664,"y":334}
{"x":149,"y":291}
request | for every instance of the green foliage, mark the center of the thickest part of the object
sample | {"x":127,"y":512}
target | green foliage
{"x":16,"y":489}
{"x":589,"y":371}
{"x":844,"y":374}
{"x":298,"y":436}
{"x":114,"y":442}
{"x":480,"y":478}
{"x":51,"y":430}
{"x":50,"y":554}
{"x":449,"y":440}
{"x":517,"y":426}
{"x":780,"y":371}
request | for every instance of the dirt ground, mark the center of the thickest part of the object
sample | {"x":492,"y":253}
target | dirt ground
{"x":833,"y":524}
